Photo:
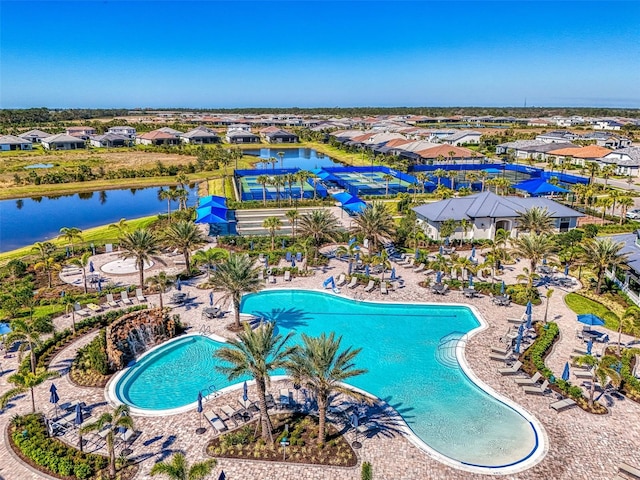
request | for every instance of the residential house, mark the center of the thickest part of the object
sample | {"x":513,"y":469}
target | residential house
{"x":280,"y":136}
{"x":110,"y":140}
{"x":62,"y":141}
{"x":129,"y":132}
{"x":487,"y":212}
{"x":608,"y":140}
{"x":239,"y":127}
{"x":81,"y":132}
{"x":172,"y":131}
{"x":607,"y":125}
{"x":540,"y":122}
{"x":627,"y":276}
{"x":463,"y":137}
{"x":579,"y":156}
{"x":241,"y":136}
{"x":535,"y":149}
{"x":34,"y":136}
{"x":449,"y":153}
{"x":558,"y":136}
{"x":157,"y":137}
{"x":200,"y":136}
{"x":11,"y":142}
{"x":626,"y":161}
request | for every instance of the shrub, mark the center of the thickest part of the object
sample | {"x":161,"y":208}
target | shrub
{"x":367,"y":471}
{"x":521,"y":294}
{"x":244,"y":436}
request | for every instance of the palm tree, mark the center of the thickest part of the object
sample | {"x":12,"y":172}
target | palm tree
{"x":602,"y":370}
{"x":256,"y":353}
{"x":272,"y":224}
{"x":439,"y":174}
{"x":26,"y":382}
{"x":263,"y":180}
{"x":320,"y":225}
{"x":70,"y":234}
{"x":452,"y":175}
{"x":182,"y":195}
{"x":303,"y":176}
{"x":375,"y":223}
{"x":273,"y":161}
{"x":160,"y":283}
{"x":44,"y":249}
{"x":628,"y":322}
{"x":185,"y":236}
{"x":48,"y":265}
{"x":113,"y":421}
{"x":292,"y":216}
{"x":121,"y":226}
{"x":604,"y":202}
{"x":290,"y":179}
{"x":483,"y":178}
{"x":536,"y":219}
{"x":593,"y":168}
{"x":281,"y":157}
{"x":315,"y":180}
{"x":320,"y":367}
{"x":625,"y":203}
{"x":534,"y":247}
{"x":603,"y":254}
{"x":546,"y":306}
{"x":82,"y":262}
{"x":235,"y":276}
{"x":278,"y":181}
{"x":351,"y":250}
{"x":141,"y":245}
{"x":168,"y":195}
{"x":465,"y":225}
{"x":607,"y":172}
{"x":179,"y":469}
{"x":387,"y":178}
{"x":443,"y":192}
{"x":210,"y":257}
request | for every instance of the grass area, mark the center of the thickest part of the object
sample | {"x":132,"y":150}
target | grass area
{"x":97,"y":235}
{"x":581,"y":305}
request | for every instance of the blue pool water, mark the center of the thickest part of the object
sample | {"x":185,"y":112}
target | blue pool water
{"x":305,"y":158}
{"x":408,"y":350}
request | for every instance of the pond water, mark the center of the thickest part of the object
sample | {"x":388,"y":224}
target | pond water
{"x":39,"y":165}
{"x":305,"y":158}
{"x":28,"y":220}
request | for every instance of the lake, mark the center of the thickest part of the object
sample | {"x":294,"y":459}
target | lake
{"x":29,"y":220}
{"x":305,"y":158}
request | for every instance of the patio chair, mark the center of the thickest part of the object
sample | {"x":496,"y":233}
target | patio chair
{"x":583,"y":374}
{"x":529,"y":381}
{"x":261,"y":275}
{"x":353,"y":283}
{"x":502,"y":349}
{"x":563,"y":404}
{"x":420,"y":268}
{"x":287,"y":276}
{"x":342,"y":279}
{"x":370,"y":286}
{"x":125,"y":298}
{"x":272,"y":279}
{"x":531,"y":390}
{"x":230,"y":415}
{"x":217,"y":424}
{"x":80,"y":311}
{"x":111,"y":302}
{"x":411,"y":263}
{"x":512,"y":370}
{"x":271,"y":403}
{"x":383,"y":288}
{"x":501,"y":357}
{"x":629,"y":470}
{"x":140,"y":296}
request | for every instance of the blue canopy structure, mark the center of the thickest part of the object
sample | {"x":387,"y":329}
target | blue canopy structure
{"x":590,"y":319}
{"x":538,"y":186}
{"x":349,"y":202}
{"x":493,"y":171}
{"x":213,"y":201}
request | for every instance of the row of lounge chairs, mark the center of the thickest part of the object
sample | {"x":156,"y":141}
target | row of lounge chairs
{"x":109,"y":302}
{"x":370,"y":286}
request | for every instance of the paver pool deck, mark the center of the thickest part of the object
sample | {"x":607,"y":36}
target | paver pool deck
{"x":580,"y":445}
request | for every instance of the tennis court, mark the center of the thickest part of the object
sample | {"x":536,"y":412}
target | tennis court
{"x":370,"y":183}
{"x":252,"y":190}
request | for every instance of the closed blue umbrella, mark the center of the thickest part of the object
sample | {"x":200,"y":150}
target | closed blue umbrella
{"x":91,"y":268}
{"x":446,"y":241}
{"x":211,"y":299}
{"x":565,"y":372}
{"x":590,"y":319}
{"x":54,"y":398}
{"x":516,"y":349}
{"x":178,"y":284}
{"x":439,"y":277}
{"x":566,"y":270}
{"x":470,"y":281}
{"x":417,"y":253}
{"x":99,"y":284}
{"x":502,"y":288}
{"x":350,"y":268}
{"x":528,"y":325}
{"x":393,"y":273}
{"x":357,"y":257}
{"x":441,"y":250}
{"x":293,"y":262}
{"x":529,"y":308}
{"x":589,"y":347}
{"x":245,"y":391}
{"x":473,"y":252}
{"x":200,"y":430}
{"x":366,"y":270}
{"x":78,"y":421}
{"x":521,"y":329}
{"x":544,"y":261}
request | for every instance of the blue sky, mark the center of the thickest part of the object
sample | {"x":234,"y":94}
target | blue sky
{"x":316,"y":53}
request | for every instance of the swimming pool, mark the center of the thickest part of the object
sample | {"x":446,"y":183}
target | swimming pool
{"x":411,"y":352}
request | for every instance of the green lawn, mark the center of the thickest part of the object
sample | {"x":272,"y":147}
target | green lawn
{"x":582,"y":305}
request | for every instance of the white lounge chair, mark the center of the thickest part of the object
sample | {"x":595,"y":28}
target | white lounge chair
{"x":140,"y":296}
{"x":383,"y":288}
{"x":411,"y":263}
{"x":563,"y":404}
{"x":629,"y":470}
{"x":537,"y":390}
{"x":111,"y":302}
{"x":287,"y":276}
{"x":80,"y":311}
{"x":529,"y":382}
{"x":583,"y":374}
{"x":261,"y":274}
{"x":419,"y":268}
{"x":341,"y":280}
{"x":502,"y":349}
{"x":500,"y":357}
{"x":272,"y":279}
{"x":217,"y":424}
{"x":353,"y":283}
{"x":125,"y":298}
{"x":512,"y":370}
{"x":370,"y":286}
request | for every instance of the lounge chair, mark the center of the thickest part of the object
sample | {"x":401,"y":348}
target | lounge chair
{"x":529,"y":381}
{"x":563,"y":404}
{"x":501,"y":357}
{"x":217,"y":424}
{"x":537,"y":390}
{"x":140,"y":296}
{"x":383,"y":288}
{"x":353,"y":283}
{"x":515,"y":321}
{"x":271,"y":279}
{"x":370,"y":286}
{"x":287,"y":276}
{"x":125,"y":298}
{"x":285,"y":398}
{"x":261,"y":275}
{"x":411,"y":263}
{"x":502,"y":349}
{"x":80,"y":311}
{"x":583,"y":374}
{"x":629,"y":470}
{"x":111,"y":302}
{"x":341,"y":280}
{"x":229,"y":414}
{"x":419,"y":268}
{"x":512,"y":370}
{"x":271,"y":403}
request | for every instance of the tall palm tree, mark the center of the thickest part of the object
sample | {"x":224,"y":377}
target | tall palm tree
{"x":375,"y":223}
{"x":278,"y":181}
{"x":112,"y":420}
{"x":71,"y":234}
{"x":272,"y":224}
{"x":533,"y":247}
{"x":536,"y":219}
{"x":263,"y":180}
{"x":603,"y":254}
{"x":26,"y":382}
{"x":185,"y":236}
{"x":303,"y":176}
{"x":179,"y":469}
{"x":387,"y":178}
{"x":320,"y":225}
{"x":256,"y":353}
{"x":290,"y":179}
{"x":483,"y":178}
{"x":602,"y":370}
{"x":141,"y":245}
{"x":169,"y":194}
{"x":235,"y":276}
{"x":210,"y":257}
{"x":452,"y":175}
{"x":604,"y":202}
{"x":315,"y":179}
{"x":607,"y":172}
{"x":292,"y":216}
{"x":465,"y":225}
{"x":82,"y":262}
{"x":281,"y":157}
{"x":44,"y":249}
{"x":160,"y":283}
{"x":121,"y":226}
{"x":439,"y":174}
{"x":594,"y":168}
{"x":322,"y":368}
{"x":182,"y":194}
{"x":625,"y":203}
{"x":630,"y":322}
{"x":49,"y":266}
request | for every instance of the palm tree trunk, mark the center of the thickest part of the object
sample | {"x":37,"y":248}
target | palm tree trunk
{"x":84,"y":278}
{"x":599,"y":285}
{"x":267,"y":427}
{"x":236,"y":308}
{"x":141,"y":274}
{"x":112,"y":457}
{"x":32,"y":355}
{"x":33,"y":402}
{"x":322,"y":418}
{"x":161,"y":300}
{"x":185,"y":252}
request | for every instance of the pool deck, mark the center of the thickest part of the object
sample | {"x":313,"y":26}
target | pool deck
{"x":581,"y":446}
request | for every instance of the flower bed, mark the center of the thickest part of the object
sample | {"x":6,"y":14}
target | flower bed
{"x":246,"y":443}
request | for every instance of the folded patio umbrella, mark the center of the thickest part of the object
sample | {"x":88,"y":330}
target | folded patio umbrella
{"x":565,"y":372}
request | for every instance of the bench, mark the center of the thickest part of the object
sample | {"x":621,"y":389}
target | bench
{"x":629,"y":470}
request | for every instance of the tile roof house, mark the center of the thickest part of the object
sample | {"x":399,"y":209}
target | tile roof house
{"x":34,"y":136}
{"x":81,"y":132}
{"x":62,"y":141}
{"x":110,"y":140}
{"x":463,"y":137}
{"x":280,"y":136}
{"x":157,"y":137}
{"x":531,"y":148}
{"x":449,"y":153}
{"x":626,"y":160}
{"x":241,"y":136}
{"x":11,"y":142}
{"x":579,"y":156}
{"x":200,"y":136}
{"x":489,"y":212}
